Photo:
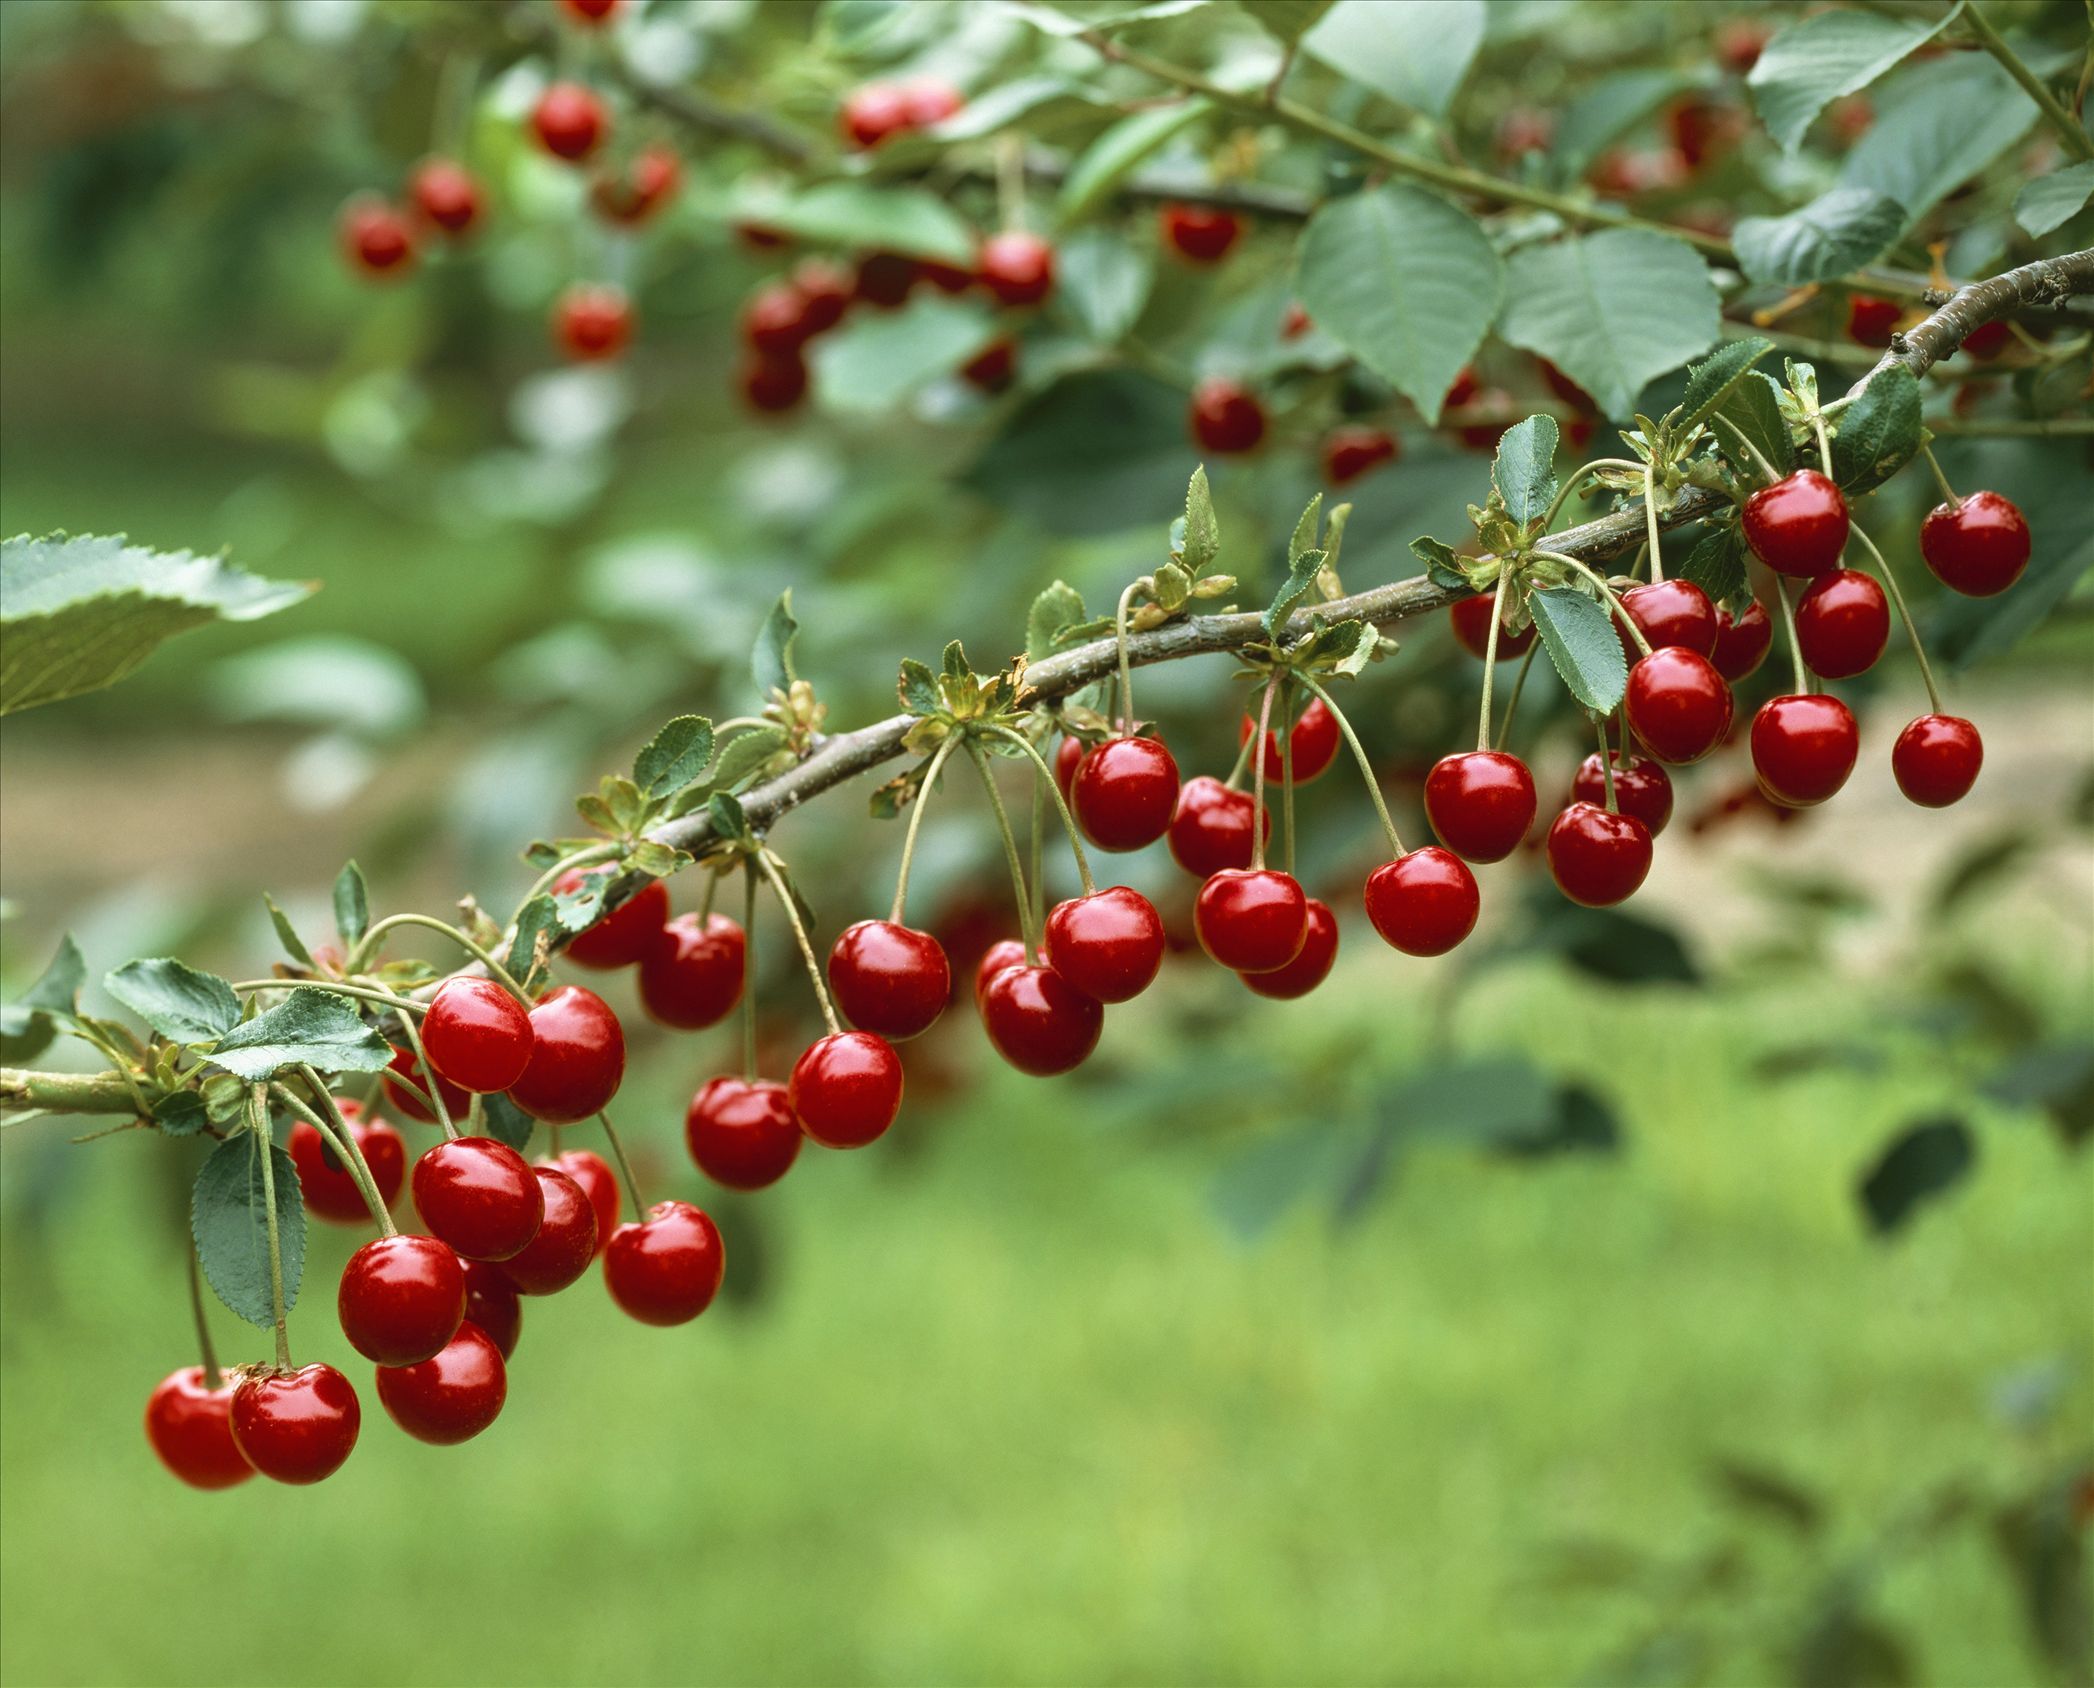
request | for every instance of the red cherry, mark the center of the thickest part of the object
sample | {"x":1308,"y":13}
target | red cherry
{"x":577,"y":1057}
{"x":1978,"y":546}
{"x":1005,"y":952}
{"x":590,"y":11}
{"x":889,"y":978}
{"x":1471,"y":619}
{"x":927,"y":102}
{"x":825,"y":291}
{"x":1738,"y":43}
{"x":994,"y":367}
{"x":1211,"y":827}
{"x":871,"y":113}
{"x":774,"y":321}
{"x":599,"y":1183}
{"x":692,"y":978}
{"x":634,"y":193}
{"x":1349,"y":452}
{"x":592,"y":322}
{"x":665,"y":1269}
{"x":1598,"y":859}
{"x":1109,"y":944}
{"x":190,"y":1426}
{"x":1017,"y":267}
{"x":330,"y":1191}
{"x":1424,"y":902}
{"x":1123,"y":793}
{"x":1987,"y":340}
{"x":846,"y":1089}
{"x":1067,"y":755}
{"x":757,"y":238}
{"x":627,"y":934}
{"x":1871,"y":321}
{"x":1671,"y":612}
{"x":453,"y":1395}
{"x":565,"y":1241}
{"x":400,"y":1299}
{"x":1523,"y":130}
{"x":1038,"y":1021}
{"x":773,"y":385}
{"x":479,"y":1196}
{"x":1464,"y":387}
{"x":1798,"y":525}
{"x":1642,"y":790}
{"x":456,"y":1100}
{"x":1803,"y":748}
{"x":1313,"y":741}
{"x":376,"y":238}
{"x":1200,"y":233}
{"x":1252,"y":920}
{"x":886,"y":279}
{"x":1936,"y":760}
{"x":477,"y":1035}
{"x":947,"y":278}
{"x":491,"y":1303}
{"x":1226,"y":416}
{"x":741,"y":1133}
{"x":1496,"y":410}
{"x":569,"y":121}
{"x":1295,"y":323}
{"x":1481,"y":803}
{"x":1678,"y":704}
{"x":296,"y":1427}
{"x":1742,"y":644}
{"x":1311,"y":964}
{"x":1842,"y":624}
{"x":1565,"y":388}
{"x":445,"y":192}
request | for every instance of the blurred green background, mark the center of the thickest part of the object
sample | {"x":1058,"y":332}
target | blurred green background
{"x":1701,"y":1293}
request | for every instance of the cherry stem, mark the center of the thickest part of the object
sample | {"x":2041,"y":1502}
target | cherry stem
{"x":1941,"y":480}
{"x":1599,"y":725}
{"x":748,"y":971}
{"x":1758,"y":457}
{"x":625,"y":1167}
{"x":363,"y":993}
{"x":1286,"y":780}
{"x":1817,"y":421}
{"x":1043,"y":778}
{"x":346,"y":1146}
{"x":1035,"y":856}
{"x":1788,"y":621}
{"x":1607,"y":595}
{"x":1010,"y":850}
{"x":205,"y":1350}
{"x":1359,"y":752}
{"x":1010,"y":181}
{"x":1519,"y":682}
{"x":1243,"y":761}
{"x":265,"y":1146}
{"x":923,"y":801}
{"x":368,"y":943}
{"x":1650,"y":520}
{"x":765,"y":860}
{"x":551,"y":876}
{"x":1261,"y":738}
{"x":1119,"y":633}
{"x":433,"y":1094}
{"x":712,"y":891}
{"x":1919,"y":650}
{"x":1490,"y":660}
{"x":1578,"y":478}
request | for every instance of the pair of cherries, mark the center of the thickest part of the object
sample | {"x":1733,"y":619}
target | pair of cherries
{"x":381,"y":239}
{"x":561,"y":1060}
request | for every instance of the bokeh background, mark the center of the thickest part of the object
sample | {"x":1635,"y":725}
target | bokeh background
{"x":1698,"y":1293}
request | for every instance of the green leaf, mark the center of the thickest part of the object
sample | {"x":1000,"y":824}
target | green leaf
{"x":1615,"y":104}
{"x":1914,"y":1168}
{"x":864,"y":217}
{"x":1059,"y":606}
{"x":1305,"y":528}
{"x":287,"y":934}
{"x":505,"y":1122}
{"x":1582,"y":643}
{"x":80,"y":614}
{"x":1712,"y":380}
{"x":1938,"y":125}
{"x":1287,"y":20}
{"x":1051,"y":21}
{"x":2053,"y":200}
{"x":1109,"y":159}
{"x":918,"y":688}
{"x":1104,"y":280}
{"x":998,"y":108}
{"x":725,"y":811}
{"x":655,"y":859}
{"x":1611,"y":310}
{"x":1404,"y":281}
{"x":683,"y":748}
{"x":228,"y":1218}
{"x":1201,"y":542}
{"x":1524,"y":471}
{"x":1088,"y":454}
{"x":310,"y":1026}
{"x":1753,"y":407}
{"x":1717,"y":566}
{"x":1879,"y":433}
{"x":1442,"y":567}
{"x":1415,"y":54}
{"x":743,"y":756}
{"x":352,"y":904}
{"x":1817,"y":59}
{"x":878,"y":360}
{"x":1173,"y":587}
{"x":541,"y":916}
{"x":771,"y":663}
{"x":1301,"y":575}
{"x":181,"y":1113}
{"x":25,"y":1024}
{"x":176,"y":1000}
{"x":1834,"y":234}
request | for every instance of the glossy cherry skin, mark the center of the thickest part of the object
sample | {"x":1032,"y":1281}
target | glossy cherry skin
{"x":885,"y":280}
{"x":455,"y":1099}
{"x":1678,"y":704}
{"x":742,"y":1133}
{"x":1312,"y":742}
{"x":1672,"y":612}
{"x":1977,"y":546}
{"x":401,"y":1298}
{"x":1598,"y":859}
{"x":774,"y":321}
{"x":1987,"y":340}
{"x":665,"y":1269}
{"x":590,"y":11}
{"x":445,"y":192}
{"x":1226,"y":417}
{"x":1471,"y":621}
{"x":569,"y":121}
{"x":1480,"y":803}
{"x":565,"y":1241}
{"x":1005,"y":952}
{"x":598,"y":1182}
{"x":592,"y":321}
{"x":1252,"y":920}
{"x":1871,"y":321}
{"x":1311,"y":963}
{"x":190,"y":1426}
{"x":871,"y":113}
{"x":330,"y":1192}
{"x":1124,"y":792}
{"x":452,"y":1396}
{"x":1067,"y":755}
{"x":1017,"y":267}
{"x":1798,"y":525}
{"x":926,"y":101}
{"x":889,"y":978}
{"x":491,"y":1303}
{"x":577,"y":1057}
{"x":1936,"y":760}
{"x":477,"y":1035}
{"x":1803,"y":748}
{"x":1742,"y":642}
{"x":1353,"y":450}
{"x":1842,"y":624}
{"x":1109,"y":944}
{"x":846,"y":1089}
{"x":479,"y":1196}
{"x":627,"y":934}
{"x":1199,"y":233}
{"x":693,"y":976}
{"x":1642,"y":790}
{"x":1038,"y":1021}
{"x":632,"y":195}
{"x":1211,"y":827}
{"x":377,"y":239}
{"x":1424,"y":902}
{"x":994,"y":367}
{"x":773,"y":385}
{"x":824,"y":291}
{"x":296,"y":1427}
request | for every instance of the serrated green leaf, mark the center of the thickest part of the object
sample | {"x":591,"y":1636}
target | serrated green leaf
{"x":677,"y":754}
{"x":1301,"y":575}
{"x":177,"y":1001}
{"x":879,"y":360}
{"x":1059,"y":606}
{"x":1334,"y":537}
{"x":181,"y":1113}
{"x":228,"y":1218}
{"x":540,"y":917}
{"x":505,"y":1122}
{"x":655,"y":859}
{"x":1816,"y":60}
{"x":1200,"y":543}
{"x":917,"y":688}
{"x":25,"y":1024}
{"x":1415,"y":54}
{"x":1305,"y":529}
{"x":1442,"y":567}
{"x":1879,"y":433}
{"x":1938,"y":124}
{"x":1717,"y":566}
{"x":1753,"y":407}
{"x":862,"y":217}
{"x":1833,"y":235}
{"x":578,"y":909}
{"x":1104,"y":281}
{"x":352,"y":904}
{"x":742,"y":758}
{"x":727,"y":817}
{"x":1113,"y":156}
{"x":1524,"y":470}
{"x":310,"y":1026}
{"x":953,"y":663}
{"x":1711,"y":381}
{"x":1582,"y":643}
{"x":2051,"y":201}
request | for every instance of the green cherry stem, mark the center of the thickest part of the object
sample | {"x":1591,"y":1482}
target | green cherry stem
{"x":1599,"y":725}
{"x":1490,"y":660}
{"x":343,"y":1144}
{"x":1941,"y":480}
{"x":1579,"y":477}
{"x":265,"y":1147}
{"x":1035,"y":854}
{"x":1919,"y":650}
{"x":1607,"y":597}
{"x":1243,"y":761}
{"x":1650,"y":521}
{"x":769,"y":864}
{"x":625,"y":1165}
{"x":748,"y":970}
{"x":1788,"y":621}
{"x":1258,"y":739}
{"x":1359,"y":752}
{"x":923,"y":802}
{"x":1519,"y":682}
{"x":205,"y":1349}
{"x":1817,"y":421}
{"x":551,"y":876}
{"x":368,"y":944}
{"x":1119,"y":633}
{"x":712,"y":892}
{"x":1043,"y":780}
{"x":433,"y":1091}
{"x":1010,"y":851}
{"x":362,"y":993}
{"x":1286,"y":778}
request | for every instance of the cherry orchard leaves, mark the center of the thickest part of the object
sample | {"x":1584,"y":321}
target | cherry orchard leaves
{"x":228,"y":1218}
{"x":1815,"y":60}
{"x":1941,"y":123}
{"x":1833,"y":235}
{"x":1415,"y":54}
{"x":2051,"y":201}
{"x":1580,"y":639}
